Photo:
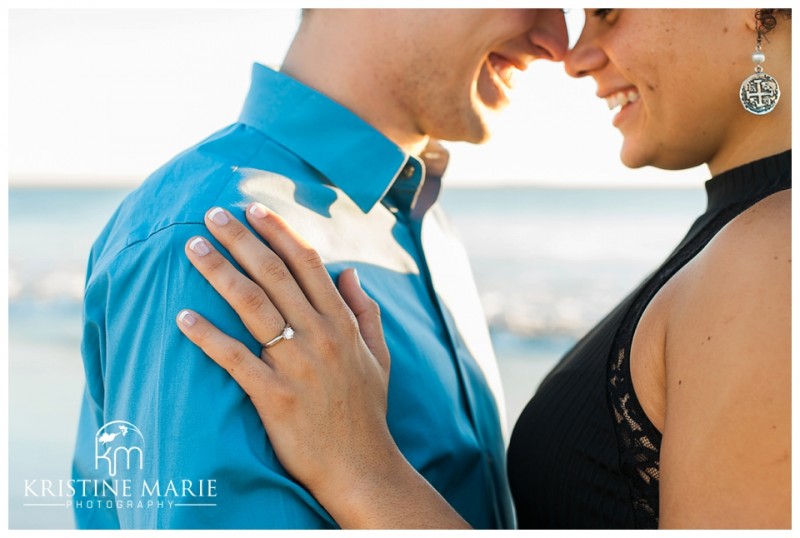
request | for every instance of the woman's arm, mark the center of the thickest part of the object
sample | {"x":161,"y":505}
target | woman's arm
{"x":322,"y":394}
{"x":726,"y":451}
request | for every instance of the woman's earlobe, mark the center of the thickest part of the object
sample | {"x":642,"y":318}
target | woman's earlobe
{"x":750,"y":19}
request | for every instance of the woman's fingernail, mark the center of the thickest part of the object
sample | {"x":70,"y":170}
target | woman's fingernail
{"x":199,"y":246}
{"x":355,"y":275}
{"x":187,"y":318}
{"x":259,"y":211}
{"x":218,"y":216}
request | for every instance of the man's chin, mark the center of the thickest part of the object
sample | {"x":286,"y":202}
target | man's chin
{"x":474,"y":136}
{"x":484,"y":116}
{"x":483,"y":139}
{"x":471,"y":125}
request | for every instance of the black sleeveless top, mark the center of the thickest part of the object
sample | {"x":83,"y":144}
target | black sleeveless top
{"x":583,"y":453}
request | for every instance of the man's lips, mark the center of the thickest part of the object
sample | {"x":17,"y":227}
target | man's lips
{"x":504,"y":69}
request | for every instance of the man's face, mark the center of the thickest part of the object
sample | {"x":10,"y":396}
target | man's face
{"x":452,"y":67}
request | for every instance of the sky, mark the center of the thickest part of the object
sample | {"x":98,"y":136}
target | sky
{"x":102,"y":97}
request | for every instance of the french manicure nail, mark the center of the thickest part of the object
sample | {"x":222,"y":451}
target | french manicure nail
{"x":218,"y":216}
{"x":187,"y":318}
{"x":355,"y":275}
{"x":199,"y":246}
{"x":259,"y":210}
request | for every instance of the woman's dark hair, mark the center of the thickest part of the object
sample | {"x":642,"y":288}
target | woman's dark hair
{"x":767,"y":18}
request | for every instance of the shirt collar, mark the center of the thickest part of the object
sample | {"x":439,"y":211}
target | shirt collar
{"x":348,"y":151}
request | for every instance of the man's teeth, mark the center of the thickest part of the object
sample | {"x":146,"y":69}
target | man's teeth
{"x":621,"y":99}
{"x":507,"y":75}
{"x":505,"y":71}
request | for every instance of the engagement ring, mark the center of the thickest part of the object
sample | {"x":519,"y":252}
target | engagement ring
{"x":286,"y":334}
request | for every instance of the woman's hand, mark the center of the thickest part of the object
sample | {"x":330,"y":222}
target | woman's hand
{"x":321,"y":394}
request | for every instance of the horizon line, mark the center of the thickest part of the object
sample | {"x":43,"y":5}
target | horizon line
{"x":71,"y":182}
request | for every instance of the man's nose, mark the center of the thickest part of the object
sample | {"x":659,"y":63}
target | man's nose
{"x":549,"y":35}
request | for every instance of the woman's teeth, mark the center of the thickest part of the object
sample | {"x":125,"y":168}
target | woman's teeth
{"x":621,"y":99}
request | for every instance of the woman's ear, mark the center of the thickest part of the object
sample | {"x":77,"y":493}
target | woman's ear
{"x":749,"y":18}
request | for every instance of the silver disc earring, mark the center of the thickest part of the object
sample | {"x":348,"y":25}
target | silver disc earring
{"x":759,"y":92}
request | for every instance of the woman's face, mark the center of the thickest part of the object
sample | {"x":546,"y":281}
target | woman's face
{"x":671,"y":77}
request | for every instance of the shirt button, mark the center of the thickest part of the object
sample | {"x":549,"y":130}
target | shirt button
{"x":408,"y":171}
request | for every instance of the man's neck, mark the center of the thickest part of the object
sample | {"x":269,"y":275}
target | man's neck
{"x":337,"y":65}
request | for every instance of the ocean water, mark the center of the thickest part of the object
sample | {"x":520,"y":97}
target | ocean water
{"x":548,"y":263}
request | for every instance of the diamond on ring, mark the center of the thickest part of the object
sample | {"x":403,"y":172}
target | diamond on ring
{"x":286,"y":334}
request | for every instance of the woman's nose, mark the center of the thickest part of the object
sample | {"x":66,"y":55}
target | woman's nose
{"x":583,"y":59}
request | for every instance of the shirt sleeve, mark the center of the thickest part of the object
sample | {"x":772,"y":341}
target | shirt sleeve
{"x":202,"y":458}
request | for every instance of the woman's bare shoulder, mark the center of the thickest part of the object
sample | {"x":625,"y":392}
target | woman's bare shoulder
{"x":753,"y":252}
{"x":728,"y":373}
{"x":763,"y":228}
{"x":743,"y":276}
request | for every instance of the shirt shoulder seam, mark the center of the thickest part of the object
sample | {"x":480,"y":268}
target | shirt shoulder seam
{"x":224,"y":184}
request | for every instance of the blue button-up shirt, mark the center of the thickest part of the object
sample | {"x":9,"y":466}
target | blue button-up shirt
{"x":167,"y":439}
